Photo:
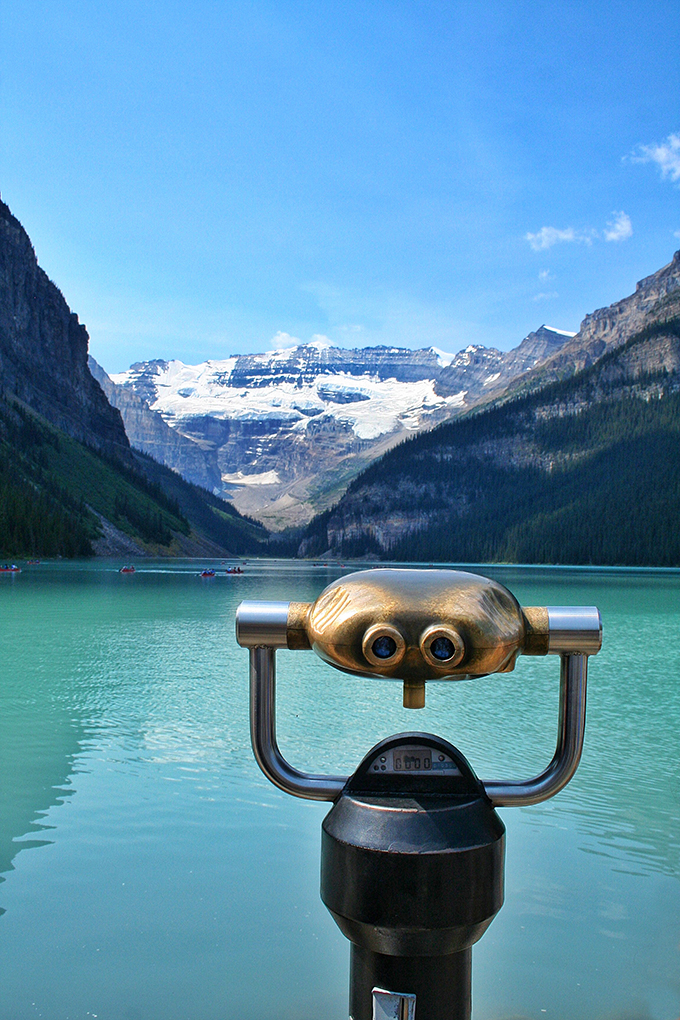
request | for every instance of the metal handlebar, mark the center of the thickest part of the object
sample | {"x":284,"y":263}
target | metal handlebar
{"x":574,"y":633}
{"x":263,"y":735}
{"x":570,"y":734}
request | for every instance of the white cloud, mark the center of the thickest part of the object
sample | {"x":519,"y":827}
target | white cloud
{"x":666,"y":155}
{"x":619,"y":228}
{"x":545,"y":274}
{"x":548,"y":236}
{"x":546,"y":297}
{"x":282,"y":341}
{"x":676,"y":233}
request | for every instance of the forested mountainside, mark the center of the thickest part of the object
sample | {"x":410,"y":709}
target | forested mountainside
{"x":70,"y":485}
{"x":61,"y":497}
{"x":585,"y":470}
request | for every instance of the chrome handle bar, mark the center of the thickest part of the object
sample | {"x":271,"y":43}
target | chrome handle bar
{"x":575,"y":633}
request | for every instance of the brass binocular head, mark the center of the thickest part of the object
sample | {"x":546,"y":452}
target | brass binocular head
{"x":417,"y":625}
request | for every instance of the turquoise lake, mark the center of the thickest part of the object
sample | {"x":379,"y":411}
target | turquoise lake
{"x":148,"y":871}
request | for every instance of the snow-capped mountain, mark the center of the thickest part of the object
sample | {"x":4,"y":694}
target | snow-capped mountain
{"x":287,"y":430}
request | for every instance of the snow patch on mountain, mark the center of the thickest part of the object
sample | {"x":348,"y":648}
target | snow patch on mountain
{"x":264,"y":478}
{"x":443,"y":357}
{"x":371,"y":406}
{"x":560,"y":332}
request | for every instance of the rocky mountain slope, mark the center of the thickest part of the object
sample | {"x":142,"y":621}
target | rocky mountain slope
{"x":282,"y":433}
{"x":70,"y":484}
{"x":581,"y":470}
{"x":43,"y":348}
{"x":656,"y":297}
{"x":155,"y":438}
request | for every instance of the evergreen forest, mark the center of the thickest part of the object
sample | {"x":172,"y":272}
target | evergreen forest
{"x":53,"y":490}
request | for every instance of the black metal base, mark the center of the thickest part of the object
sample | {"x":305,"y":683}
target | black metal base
{"x":442,"y":984}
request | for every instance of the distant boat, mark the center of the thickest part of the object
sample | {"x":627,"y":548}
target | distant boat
{"x":233,"y":570}
{"x":32,"y":563}
{"x":208,"y":573}
{"x":126,"y":570}
{"x":10,"y":568}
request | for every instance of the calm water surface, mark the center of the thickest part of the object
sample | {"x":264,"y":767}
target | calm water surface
{"x":151,"y":873}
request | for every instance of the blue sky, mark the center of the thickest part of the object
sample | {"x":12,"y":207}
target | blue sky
{"x":200,"y":178}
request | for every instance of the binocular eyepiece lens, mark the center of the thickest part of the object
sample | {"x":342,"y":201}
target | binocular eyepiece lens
{"x":442,"y":648}
{"x":384,"y":647}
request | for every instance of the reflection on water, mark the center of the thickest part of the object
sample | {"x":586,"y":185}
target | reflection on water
{"x":37,"y":751}
{"x":169,"y":880}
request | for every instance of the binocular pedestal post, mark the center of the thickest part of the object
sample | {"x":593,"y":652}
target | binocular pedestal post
{"x":440,"y":986}
{"x":412,"y":871}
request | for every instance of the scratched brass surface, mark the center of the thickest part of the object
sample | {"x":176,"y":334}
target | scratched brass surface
{"x":482,"y":619}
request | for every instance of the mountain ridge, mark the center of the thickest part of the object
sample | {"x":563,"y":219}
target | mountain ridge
{"x":286,"y":430}
{"x":655,"y":297}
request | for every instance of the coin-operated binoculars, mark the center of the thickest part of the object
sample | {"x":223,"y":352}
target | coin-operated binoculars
{"x":412,"y":850}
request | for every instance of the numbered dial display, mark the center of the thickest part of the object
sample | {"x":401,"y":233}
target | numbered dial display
{"x":414,"y":759}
